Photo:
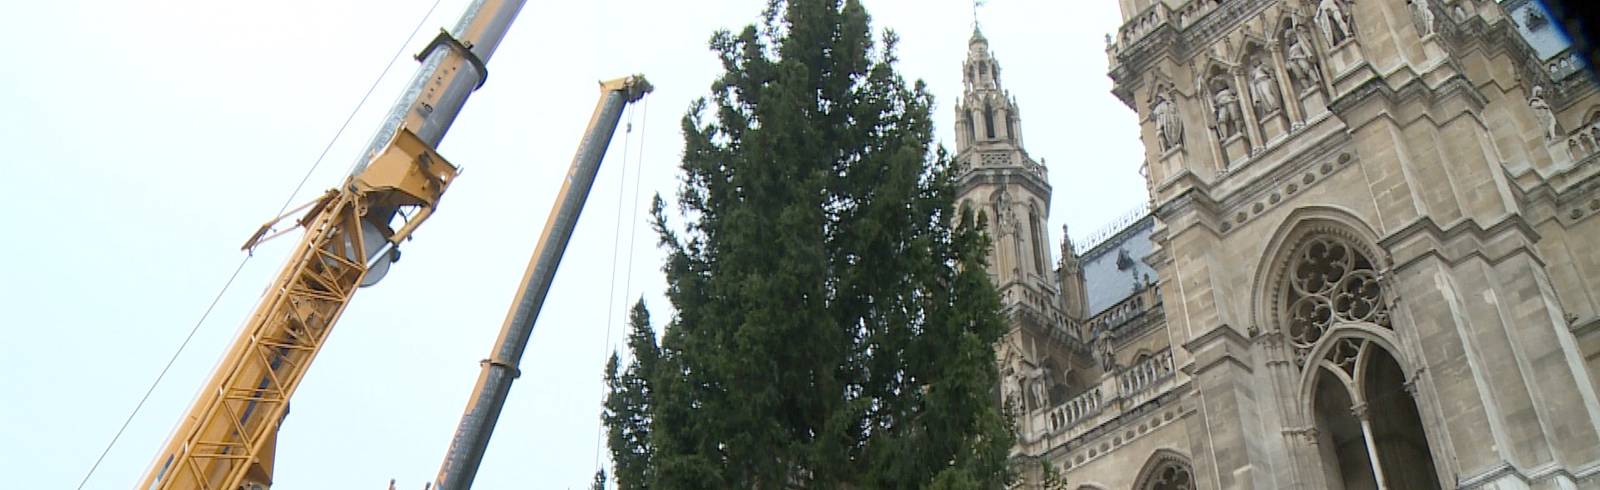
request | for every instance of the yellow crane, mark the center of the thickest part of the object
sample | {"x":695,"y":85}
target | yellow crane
{"x":226,"y":440}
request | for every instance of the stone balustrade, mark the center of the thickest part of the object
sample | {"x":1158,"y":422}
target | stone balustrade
{"x":1075,"y":410}
{"x":1155,"y":16}
{"x":1138,"y":378}
{"x":1564,"y":65}
{"x":1058,"y":326}
{"x":1129,"y":387}
{"x":1142,"y":23}
{"x":1583,"y":142}
{"x":1129,"y":308}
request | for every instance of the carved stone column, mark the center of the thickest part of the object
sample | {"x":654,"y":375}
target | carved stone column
{"x":1360,"y":411}
{"x":1219,"y":153}
{"x":1247,"y":104}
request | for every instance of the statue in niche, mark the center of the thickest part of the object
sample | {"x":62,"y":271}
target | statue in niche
{"x":1424,"y":9}
{"x":1542,"y":111}
{"x":1169,"y":124}
{"x":1107,"y":354}
{"x":1263,"y":89}
{"x":1012,"y":390}
{"x":1039,"y":385}
{"x":1334,"y":19}
{"x":1302,"y":64}
{"x":1228,"y":117}
{"x":1007,"y":217}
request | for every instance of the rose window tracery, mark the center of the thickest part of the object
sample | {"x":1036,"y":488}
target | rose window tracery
{"x":1173,"y":478}
{"x":1330,"y":282}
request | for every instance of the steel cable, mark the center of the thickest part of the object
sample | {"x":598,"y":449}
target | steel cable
{"x":218,"y":298}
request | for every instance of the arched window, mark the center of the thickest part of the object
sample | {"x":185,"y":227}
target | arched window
{"x":1011,"y":128}
{"x":1330,"y":282}
{"x":1335,"y":317}
{"x":988,"y":120}
{"x":972,"y":129}
{"x":1165,"y":470}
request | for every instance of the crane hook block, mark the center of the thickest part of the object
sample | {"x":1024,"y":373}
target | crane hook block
{"x":408,"y":174}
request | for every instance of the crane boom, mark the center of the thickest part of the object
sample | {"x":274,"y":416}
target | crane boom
{"x":500,"y":369}
{"x":226,"y":439}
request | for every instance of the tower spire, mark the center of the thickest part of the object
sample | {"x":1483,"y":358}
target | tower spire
{"x":1069,"y":277}
{"x":986,"y":113}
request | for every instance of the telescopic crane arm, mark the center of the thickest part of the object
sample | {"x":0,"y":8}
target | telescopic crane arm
{"x":226,"y":440}
{"x":500,"y":369}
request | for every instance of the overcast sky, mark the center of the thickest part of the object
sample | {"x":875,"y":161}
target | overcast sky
{"x":144,"y":141}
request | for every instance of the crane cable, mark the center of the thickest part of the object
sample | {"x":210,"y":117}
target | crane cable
{"x":633,"y":229}
{"x":611,"y":291}
{"x":218,"y":298}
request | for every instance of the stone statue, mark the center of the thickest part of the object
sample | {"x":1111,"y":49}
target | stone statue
{"x":1038,"y":383}
{"x":1012,"y":393}
{"x":1334,"y":20}
{"x":1107,"y":355}
{"x":1012,"y":380}
{"x":1169,"y":124}
{"x":1007,"y":216}
{"x":1041,"y":394}
{"x":1228,"y":116}
{"x":1542,"y":111}
{"x":1424,"y":9}
{"x":1302,"y":64}
{"x":1263,"y":89}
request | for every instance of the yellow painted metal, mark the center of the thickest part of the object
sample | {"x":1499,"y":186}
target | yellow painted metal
{"x":226,"y":439}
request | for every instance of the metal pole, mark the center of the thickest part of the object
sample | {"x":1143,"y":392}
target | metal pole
{"x":500,"y":369}
{"x":453,"y":66}
{"x":481,"y":28}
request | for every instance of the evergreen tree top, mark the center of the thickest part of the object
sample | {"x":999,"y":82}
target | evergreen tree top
{"x":833,"y":326}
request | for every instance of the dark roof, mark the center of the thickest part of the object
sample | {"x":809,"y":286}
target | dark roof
{"x":1113,"y":268}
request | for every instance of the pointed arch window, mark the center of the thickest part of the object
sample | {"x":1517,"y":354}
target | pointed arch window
{"x":1329,"y":282}
{"x":988,"y":120}
{"x":1011,"y":128}
{"x":1363,"y":418}
{"x":1166,"y":470}
{"x":972,"y":128}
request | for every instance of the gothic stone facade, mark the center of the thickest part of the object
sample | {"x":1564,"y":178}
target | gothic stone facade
{"x":1370,"y":260}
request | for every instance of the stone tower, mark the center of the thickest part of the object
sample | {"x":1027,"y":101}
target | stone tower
{"x":1044,"y":358}
{"x":1374,"y":246}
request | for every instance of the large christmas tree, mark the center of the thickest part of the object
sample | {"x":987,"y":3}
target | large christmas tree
{"x":833,"y":325}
